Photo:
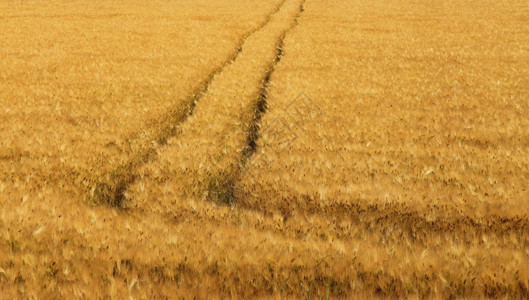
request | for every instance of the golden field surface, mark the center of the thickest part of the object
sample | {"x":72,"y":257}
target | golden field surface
{"x":264,"y":149}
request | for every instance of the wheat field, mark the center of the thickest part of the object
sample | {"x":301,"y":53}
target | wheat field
{"x":264,"y":149}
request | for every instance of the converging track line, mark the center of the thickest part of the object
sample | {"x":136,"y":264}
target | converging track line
{"x":109,"y":189}
{"x":206,"y":158}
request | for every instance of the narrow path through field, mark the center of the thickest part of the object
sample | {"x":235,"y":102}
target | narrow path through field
{"x":110,"y":187}
{"x":205,"y":159}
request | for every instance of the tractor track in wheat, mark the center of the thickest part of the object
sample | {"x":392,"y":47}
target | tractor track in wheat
{"x":110,"y":187}
{"x":260,"y":109}
{"x":205,"y":160}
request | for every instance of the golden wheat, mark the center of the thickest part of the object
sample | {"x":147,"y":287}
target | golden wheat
{"x":283,"y":148}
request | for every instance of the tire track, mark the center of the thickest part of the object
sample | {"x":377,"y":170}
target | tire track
{"x":261,"y":104}
{"x":223,"y":189}
{"x":206,"y":159}
{"x":255,"y":124}
{"x":109,"y":188}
